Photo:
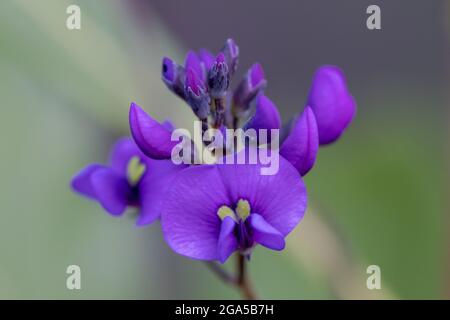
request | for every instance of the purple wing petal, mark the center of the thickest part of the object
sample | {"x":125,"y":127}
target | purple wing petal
{"x":301,"y":145}
{"x":331,"y":102}
{"x":227,"y":240}
{"x":189,"y":218}
{"x":112,"y":190}
{"x":265,"y":234}
{"x":81,"y":182}
{"x":122,"y":152}
{"x":280,"y":198}
{"x":151,"y":137}
{"x":158,"y":178}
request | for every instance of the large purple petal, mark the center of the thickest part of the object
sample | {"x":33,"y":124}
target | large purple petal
{"x":152,"y":137}
{"x":122,"y":152}
{"x":301,"y":145}
{"x":332,"y":103}
{"x":158,"y":178}
{"x":280,"y":198}
{"x":264,"y":234}
{"x":82,"y":183}
{"x":227,"y":240}
{"x":112,"y":190}
{"x":189,"y":218}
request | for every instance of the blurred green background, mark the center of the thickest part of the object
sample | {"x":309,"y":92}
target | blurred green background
{"x":378,"y":196}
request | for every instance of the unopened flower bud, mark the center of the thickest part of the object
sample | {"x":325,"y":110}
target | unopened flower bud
{"x":254,"y":82}
{"x":218,"y":78}
{"x":197,"y":95}
{"x":231,"y":53}
{"x":172,"y":75}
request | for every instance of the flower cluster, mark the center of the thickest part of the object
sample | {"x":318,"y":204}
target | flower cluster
{"x":209,"y":211}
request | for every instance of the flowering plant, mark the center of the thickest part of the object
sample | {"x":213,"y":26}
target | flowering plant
{"x":210,"y":211}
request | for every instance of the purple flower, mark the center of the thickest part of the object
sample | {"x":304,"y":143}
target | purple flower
{"x":332,"y":103}
{"x":301,"y":145}
{"x":130,"y":180}
{"x":225,"y":212}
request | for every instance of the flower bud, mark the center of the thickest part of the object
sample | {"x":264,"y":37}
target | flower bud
{"x":253,"y":83}
{"x":194,"y":62}
{"x":173,"y":76}
{"x":231,"y":53}
{"x":218,"y":78}
{"x":332,"y":103}
{"x":206,"y":58}
{"x":196,"y":94}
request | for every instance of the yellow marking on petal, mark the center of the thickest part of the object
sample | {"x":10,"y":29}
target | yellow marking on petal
{"x":135,"y":170}
{"x":243,"y":209}
{"x":224,"y":212}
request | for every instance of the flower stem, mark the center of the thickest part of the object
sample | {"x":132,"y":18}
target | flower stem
{"x":241,"y":281}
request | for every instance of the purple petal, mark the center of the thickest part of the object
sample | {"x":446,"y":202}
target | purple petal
{"x":168,"y":125}
{"x":189,"y":218}
{"x":81,"y":182}
{"x":266,"y":116}
{"x":227,"y":240}
{"x":256,"y":74}
{"x":331,"y":102}
{"x":207,"y":58}
{"x":194,"y":82}
{"x":193,"y":62}
{"x":122,"y":152}
{"x":264,"y":233}
{"x":280,"y":198}
{"x":112,"y":190}
{"x":158,"y":178}
{"x":152,"y":138}
{"x":302,"y":144}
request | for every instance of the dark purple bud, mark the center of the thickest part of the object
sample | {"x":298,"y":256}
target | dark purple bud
{"x":196,"y":94}
{"x":332,"y":103}
{"x":253,"y":83}
{"x":302,"y":143}
{"x":172,"y":75}
{"x":231,"y":53}
{"x":218,"y":78}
